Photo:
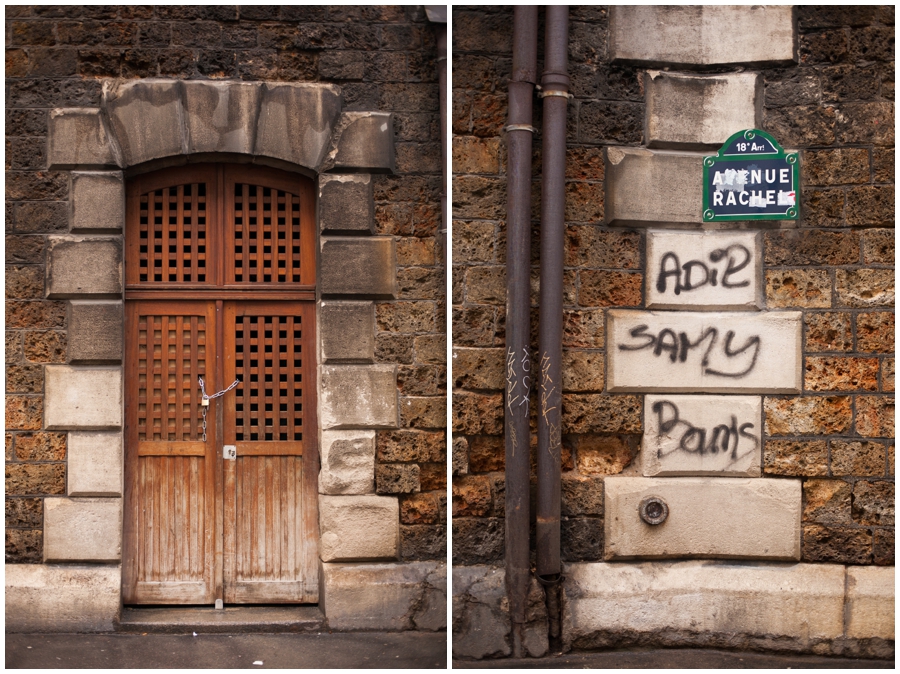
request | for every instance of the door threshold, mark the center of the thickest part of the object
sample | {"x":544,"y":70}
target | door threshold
{"x":231,"y":619}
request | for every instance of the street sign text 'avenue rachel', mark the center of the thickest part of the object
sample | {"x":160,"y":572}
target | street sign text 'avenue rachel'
{"x":751,"y":178}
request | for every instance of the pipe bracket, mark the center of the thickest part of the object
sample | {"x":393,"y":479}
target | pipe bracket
{"x":519,"y":127}
{"x":553,"y":92}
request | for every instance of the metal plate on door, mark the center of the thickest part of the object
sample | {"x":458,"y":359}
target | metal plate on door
{"x":229,"y":452}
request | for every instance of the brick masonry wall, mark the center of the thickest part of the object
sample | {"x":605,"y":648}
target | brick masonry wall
{"x":383,"y":58}
{"x":835,"y":106}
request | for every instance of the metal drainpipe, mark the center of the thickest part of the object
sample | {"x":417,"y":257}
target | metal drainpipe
{"x":437,"y":14}
{"x":555,"y":85}
{"x":518,"y":323}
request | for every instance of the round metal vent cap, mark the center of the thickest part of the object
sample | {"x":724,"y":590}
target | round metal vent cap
{"x":653,"y":510}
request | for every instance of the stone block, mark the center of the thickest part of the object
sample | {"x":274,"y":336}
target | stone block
{"x":365,"y":267}
{"x":220,"y":116}
{"x":95,"y":332}
{"x":870,"y":602}
{"x":95,"y":466}
{"x":347,"y":462}
{"x":710,"y":270}
{"x":296,"y":122}
{"x":726,"y":518}
{"x":702,"y":435}
{"x":646,"y":187}
{"x":65,"y":599}
{"x":701,"y":35}
{"x":346,"y":204}
{"x":79,"y":139}
{"x":802,"y":457}
{"x":791,"y":601}
{"x":385,"y":596}
{"x":358,"y":528}
{"x":82,"y":530}
{"x":347,"y":331}
{"x":359,"y":396}
{"x":481,"y":621}
{"x":460,"y":457}
{"x":84,"y":268}
{"x":365,"y":141}
{"x":147,"y":118}
{"x":82,"y":398}
{"x":808,"y":415}
{"x":692,"y":111}
{"x":704,"y":352}
{"x":395,"y":478}
{"x":97,"y":202}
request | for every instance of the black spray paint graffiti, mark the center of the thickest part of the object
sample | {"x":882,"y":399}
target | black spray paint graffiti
{"x":516,"y":378}
{"x":723,"y":439}
{"x":678,"y":346}
{"x":735,"y":258}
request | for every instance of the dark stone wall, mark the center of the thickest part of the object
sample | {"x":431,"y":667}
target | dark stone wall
{"x":836,"y":106}
{"x":383,"y":58}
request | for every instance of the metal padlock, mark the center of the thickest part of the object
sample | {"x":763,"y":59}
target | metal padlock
{"x":204,"y":402}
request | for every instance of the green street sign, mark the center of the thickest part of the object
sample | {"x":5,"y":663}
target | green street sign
{"x":751,"y":178}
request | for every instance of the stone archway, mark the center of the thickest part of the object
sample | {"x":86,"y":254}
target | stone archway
{"x":148,"y":124}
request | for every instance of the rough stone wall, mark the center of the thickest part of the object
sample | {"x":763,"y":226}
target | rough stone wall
{"x":836,"y":106}
{"x":383,"y":58}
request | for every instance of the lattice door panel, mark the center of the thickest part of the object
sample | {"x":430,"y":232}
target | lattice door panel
{"x":171,"y":231}
{"x":171,"y":352}
{"x":169,"y":539}
{"x":268,"y":220}
{"x":270,"y":489}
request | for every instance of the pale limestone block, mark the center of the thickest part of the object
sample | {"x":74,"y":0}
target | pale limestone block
{"x":348,"y":462}
{"x":691,"y":111}
{"x":705,"y":270}
{"x":481,"y":621}
{"x":797,"y":601}
{"x":363,"y":140}
{"x":652,"y":187}
{"x":83,"y":398}
{"x":79,"y":138}
{"x":95,"y":331}
{"x":725,"y":518}
{"x":385,"y":596}
{"x":82,"y":530}
{"x":66,"y":599}
{"x":347,"y":331}
{"x":702,"y":435}
{"x":364,"y":267}
{"x":220,"y":116}
{"x":702,"y":35}
{"x":81,"y":267}
{"x":870,"y":602}
{"x":147,"y":118}
{"x":358,"y":396}
{"x":97,"y":202}
{"x":686,"y":352}
{"x":346,"y":204}
{"x":358,"y":528}
{"x":95,"y":464}
{"x":296,"y":122}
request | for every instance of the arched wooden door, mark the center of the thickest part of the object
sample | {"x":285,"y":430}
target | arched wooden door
{"x":220,"y":499}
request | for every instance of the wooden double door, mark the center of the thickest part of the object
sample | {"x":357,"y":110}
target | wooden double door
{"x":220,"y":498}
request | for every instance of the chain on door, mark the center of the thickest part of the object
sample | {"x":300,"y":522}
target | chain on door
{"x":220,"y":496}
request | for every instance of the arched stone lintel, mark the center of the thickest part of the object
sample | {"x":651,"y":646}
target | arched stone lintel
{"x":153,"y":123}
